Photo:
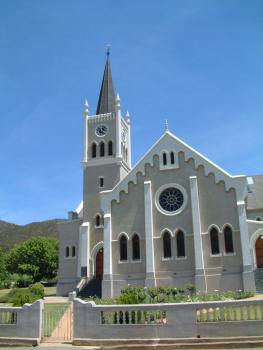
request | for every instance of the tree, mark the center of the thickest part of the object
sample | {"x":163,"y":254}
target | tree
{"x":3,"y":272}
{"x":37,"y":257}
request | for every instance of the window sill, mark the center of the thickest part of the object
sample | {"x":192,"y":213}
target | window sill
{"x":98,"y":226}
{"x":167,"y":259}
{"x":215,"y":255}
{"x":135,"y":261}
{"x":123,"y":261}
{"x":168,"y":166}
{"x":181,"y":258}
{"x":230,"y":254}
{"x":70,"y":257}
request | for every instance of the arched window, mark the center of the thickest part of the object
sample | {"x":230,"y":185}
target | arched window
{"x":214,"y":241}
{"x":136,"y":247}
{"x":110,"y":148}
{"x":102,"y":149}
{"x":123,"y":248}
{"x":97,"y":220}
{"x":126,"y":154}
{"x":258,"y":219}
{"x":73,"y":251}
{"x":93,"y":150}
{"x":67,"y":252}
{"x":180,"y":244}
{"x":167,"y":251}
{"x":164,"y":159}
{"x":229,"y":247}
{"x":172,"y":157}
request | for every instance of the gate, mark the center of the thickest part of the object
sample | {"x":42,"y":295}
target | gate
{"x":57,"y":324}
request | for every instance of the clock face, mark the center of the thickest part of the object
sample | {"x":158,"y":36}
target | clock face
{"x":101,"y":130}
{"x":123,"y":136}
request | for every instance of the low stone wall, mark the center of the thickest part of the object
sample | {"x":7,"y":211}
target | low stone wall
{"x":21,"y":322}
{"x":100,"y":324}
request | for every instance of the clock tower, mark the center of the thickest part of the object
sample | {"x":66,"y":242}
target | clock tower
{"x":107,"y":151}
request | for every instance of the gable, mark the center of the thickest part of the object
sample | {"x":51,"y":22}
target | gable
{"x":170,"y":143}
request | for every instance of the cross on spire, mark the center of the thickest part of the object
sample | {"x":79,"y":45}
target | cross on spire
{"x":108,"y":50}
{"x":166,"y":127}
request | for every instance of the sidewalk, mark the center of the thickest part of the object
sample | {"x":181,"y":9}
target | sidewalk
{"x":56,"y":300}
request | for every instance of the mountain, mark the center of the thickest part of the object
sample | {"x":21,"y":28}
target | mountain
{"x":11,"y":234}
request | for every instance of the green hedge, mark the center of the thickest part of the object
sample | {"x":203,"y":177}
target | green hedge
{"x":140,"y":295}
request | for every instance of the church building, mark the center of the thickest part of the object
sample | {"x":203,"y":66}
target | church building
{"x":174,"y":218}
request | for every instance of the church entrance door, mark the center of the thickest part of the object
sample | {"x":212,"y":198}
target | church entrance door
{"x":259,"y":251}
{"x":99,"y":264}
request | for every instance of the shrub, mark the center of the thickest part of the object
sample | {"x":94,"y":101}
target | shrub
{"x":37,"y":289}
{"x":23,"y":297}
{"x":135,"y":295}
{"x":19,"y":296}
{"x":139,"y":295}
{"x":127,"y":299}
{"x":190,"y":288}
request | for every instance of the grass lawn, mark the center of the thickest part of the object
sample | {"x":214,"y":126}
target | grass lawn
{"x":51,"y":317}
{"x":4,"y":292}
{"x":49,"y":291}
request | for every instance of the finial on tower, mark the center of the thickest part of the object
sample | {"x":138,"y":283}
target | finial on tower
{"x":166,"y":125}
{"x":127,"y":117}
{"x":86,"y":108}
{"x":118,"y":101}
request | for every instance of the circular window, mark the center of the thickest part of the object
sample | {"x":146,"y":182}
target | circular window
{"x":171,"y":199}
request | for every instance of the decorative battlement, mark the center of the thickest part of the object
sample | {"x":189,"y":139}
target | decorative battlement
{"x":169,"y":141}
{"x":101,"y":118}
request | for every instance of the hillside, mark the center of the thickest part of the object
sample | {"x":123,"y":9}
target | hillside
{"x":11,"y":234}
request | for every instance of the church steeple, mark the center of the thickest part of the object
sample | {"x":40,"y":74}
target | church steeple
{"x":107,"y":98}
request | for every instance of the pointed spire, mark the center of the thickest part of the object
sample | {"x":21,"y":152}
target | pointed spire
{"x":106,"y":103}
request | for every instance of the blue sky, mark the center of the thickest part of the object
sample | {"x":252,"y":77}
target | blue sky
{"x":197,"y":63}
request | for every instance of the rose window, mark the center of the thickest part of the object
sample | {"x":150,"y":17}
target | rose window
{"x":171,"y":199}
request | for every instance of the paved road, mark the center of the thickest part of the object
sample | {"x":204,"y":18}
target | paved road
{"x":62,"y":347}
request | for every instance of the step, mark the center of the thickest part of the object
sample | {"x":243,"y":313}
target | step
{"x":92,"y":288}
{"x":17,"y":342}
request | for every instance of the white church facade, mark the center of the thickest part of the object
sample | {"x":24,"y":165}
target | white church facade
{"x":173,"y":219}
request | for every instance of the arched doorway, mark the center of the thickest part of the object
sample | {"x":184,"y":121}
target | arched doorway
{"x":99,"y":264}
{"x":259,"y":251}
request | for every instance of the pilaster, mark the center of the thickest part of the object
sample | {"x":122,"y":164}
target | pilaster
{"x":85,"y":141}
{"x":200,"y":279}
{"x":128,"y":122}
{"x":107,"y":285}
{"x":118,"y":127}
{"x":84,"y":251}
{"x":150,"y":269}
{"x":248,"y":274}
